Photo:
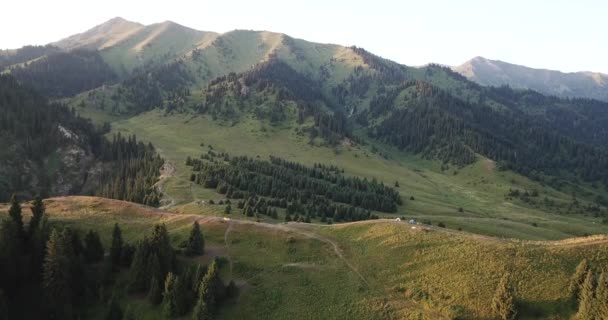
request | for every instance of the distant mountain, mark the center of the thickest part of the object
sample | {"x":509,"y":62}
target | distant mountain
{"x":497,"y":73}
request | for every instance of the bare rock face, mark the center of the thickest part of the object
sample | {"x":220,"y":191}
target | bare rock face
{"x":72,"y":171}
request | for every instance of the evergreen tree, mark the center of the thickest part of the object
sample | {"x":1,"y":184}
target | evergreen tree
{"x":587,"y":302}
{"x":201,"y":312}
{"x":170,"y":297}
{"x":601,"y":295}
{"x":228,"y":209}
{"x":116,"y":248}
{"x":577,"y":280}
{"x":37,"y":215}
{"x":15,"y":213}
{"x":93,"y":249}
{"x":196,"y":241}
{"x":503,"y":303}
{"x":56,"y":277}
{"x":155,"y":295}
{"x":129,"y":314}
{"x":114,"y":310}
{"x":232,"y":291}
{"x":182,"y":301}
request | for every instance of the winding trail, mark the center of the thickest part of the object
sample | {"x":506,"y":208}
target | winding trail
{"x":166,"y":172}
{"x":226,"y":233}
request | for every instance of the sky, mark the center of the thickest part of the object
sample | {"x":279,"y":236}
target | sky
{"x":566,"y":35}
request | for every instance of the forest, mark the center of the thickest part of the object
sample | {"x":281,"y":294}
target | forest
{"x":69,"y":274}
{"x":322,"y":191}
{"x":64,"y":74}
{"x":36,"y":134}
{"x":438,"y":125}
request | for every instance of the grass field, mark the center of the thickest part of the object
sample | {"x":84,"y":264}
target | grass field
{"x":365,"y":270}
{"x":479,"y":189}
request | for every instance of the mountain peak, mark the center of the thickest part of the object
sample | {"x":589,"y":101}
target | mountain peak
{"x":102,"y":35}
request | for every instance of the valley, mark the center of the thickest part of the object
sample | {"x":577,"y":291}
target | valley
{"x":174,"y":173}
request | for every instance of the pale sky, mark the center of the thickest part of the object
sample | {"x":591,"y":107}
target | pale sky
{"x":567,"y":35}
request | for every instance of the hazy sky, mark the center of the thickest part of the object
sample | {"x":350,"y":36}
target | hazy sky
{"x":567,"y":35}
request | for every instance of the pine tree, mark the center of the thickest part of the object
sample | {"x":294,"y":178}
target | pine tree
{"x":182,"y":301}
{"x":201,"y":312}
{"x":601,"y":295}
{"x":93,"y":249}
{"x":503,"y":303}
{"x":586,"y":306}
{"x":116,"y":248}
{"x":37,"y":215}
{"x":114,"y":310}
{"x":196,"y":241}
{"x":15,"y":213}
{"x":155,"y":295}
{"x":129,"y":313}
{"x":56,"y":277}
{"x":169,"y":297}
{"x":232,"y":291}
{"x":228,"y":209}
{"x":578,"y":279}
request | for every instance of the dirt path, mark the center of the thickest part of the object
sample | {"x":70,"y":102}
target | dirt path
{"x":226,"y":233}
{"x":166,"y":172}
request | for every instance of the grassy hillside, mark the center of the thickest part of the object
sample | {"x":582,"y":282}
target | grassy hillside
{"x":366,"y":270}
{"x":479,"y":189}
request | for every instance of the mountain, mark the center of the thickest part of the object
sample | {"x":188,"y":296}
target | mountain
{"x":104,"y":35}
{"x":488,"y":72}
{"x":266,"y":142}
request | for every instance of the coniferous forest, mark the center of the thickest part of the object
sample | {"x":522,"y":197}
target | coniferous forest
{"x":48,"y":149}
{"x":321,"y":192}
{"x":66,"y":273}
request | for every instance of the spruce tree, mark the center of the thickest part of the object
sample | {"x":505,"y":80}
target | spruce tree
{"x":601,"y":295}
{"x":169,"y":297}
{"x":56,"y":277}
{"x":15,"y":213}
{"x":578,"y":279}
{"x":182,"y":301}
{"x":587,"y":302}
{"x":37,"y":215}
{"x":201,"y":312}
{"x":116,"y":248}
{"x":114,"y":310}
{"x":228,"y":209}
{"x":93,"y":249}
{"x":155,"y":295}
{"x":196,"y":242}
{"x":503,"y":304}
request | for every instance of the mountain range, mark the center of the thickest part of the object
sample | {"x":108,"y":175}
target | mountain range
{"x":592,"y":85}
{"x":287,"y":169}
{"x":122,"y":69}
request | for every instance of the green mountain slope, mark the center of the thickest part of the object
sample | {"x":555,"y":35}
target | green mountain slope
{"x":488,"y":72}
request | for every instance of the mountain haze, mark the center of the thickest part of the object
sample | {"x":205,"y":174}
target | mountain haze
{"x":488,"y":72}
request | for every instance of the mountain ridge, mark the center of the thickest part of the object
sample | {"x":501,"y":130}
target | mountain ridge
{"x":581,"y":84}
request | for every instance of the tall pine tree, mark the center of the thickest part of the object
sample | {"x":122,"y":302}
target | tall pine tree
{"x":196,"y":242}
